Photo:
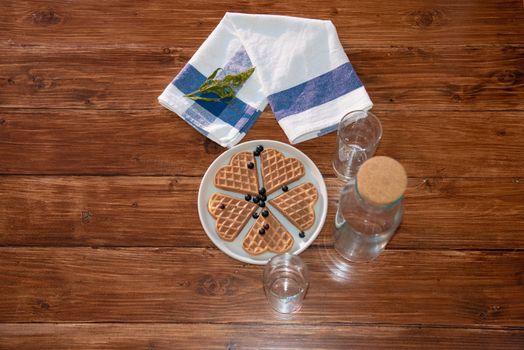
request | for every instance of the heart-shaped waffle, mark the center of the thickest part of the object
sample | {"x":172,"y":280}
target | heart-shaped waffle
{"x":231,"y":214}
{"x":277,"y":170}
{"x":237,"y":176}
{"x":297,"y":205}
{"x":276,"y":238}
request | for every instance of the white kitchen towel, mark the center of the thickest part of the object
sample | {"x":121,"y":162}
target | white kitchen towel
{"x":301,"y":69}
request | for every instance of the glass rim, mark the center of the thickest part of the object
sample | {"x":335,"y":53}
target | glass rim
{"x":300,"y":264}
{"x":282,"y":256}
{"x":368,"y":114}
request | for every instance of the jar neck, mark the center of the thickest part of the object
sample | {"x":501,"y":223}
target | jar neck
{"x":365,"y":203}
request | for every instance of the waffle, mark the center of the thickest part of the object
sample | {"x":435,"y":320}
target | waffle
{"x":233,"y":217}
{"x":276,"y":239}
{"x":297,"y":205}
{"x":237,"y":177}
{"x":278,"y":170}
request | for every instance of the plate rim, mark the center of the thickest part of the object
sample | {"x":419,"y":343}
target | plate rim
{"x":247,"y":258}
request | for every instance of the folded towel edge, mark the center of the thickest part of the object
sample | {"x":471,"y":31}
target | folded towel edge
{"x":308,"y":124}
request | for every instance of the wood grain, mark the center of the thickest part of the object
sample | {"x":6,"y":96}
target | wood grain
{"x":204,"y":285}
{"x":160,"y":22}
{"x":162,"y":211}
{"x":191,"y":336}
{"x":100,"y":242}
{"x":403,"y":78}
{"x":428,"y":144}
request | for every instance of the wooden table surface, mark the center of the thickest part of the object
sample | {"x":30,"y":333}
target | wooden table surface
{"x":100,"y":242}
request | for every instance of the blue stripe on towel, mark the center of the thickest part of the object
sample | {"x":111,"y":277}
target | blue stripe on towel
{"x":315,"y":92}
{"x":238,"y":63}
{"x":202,"y":113}
{"x":327,"y":130}
{"x":188,"y":80}
{"x":235,"y":111}
{"x":248,"y":121}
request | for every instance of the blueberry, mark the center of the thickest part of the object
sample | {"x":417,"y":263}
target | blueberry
{"x":256,"y":199}
{"x":262,"y":231}
{"x":262,"y":204}
{"x":285,"y":188}
{"x":247,"y":197}
{"x":262,"y":191}
{"x":250,"y":165}
{"x":301,"y":234}
{"x":256,"y":153}
{"x":222,"y":206}
{"x":255,"y":215}
{"x":262,"y":197}
{"x":260,"y":148}
{"x":265,"y":213}
{"x":266,"y":226}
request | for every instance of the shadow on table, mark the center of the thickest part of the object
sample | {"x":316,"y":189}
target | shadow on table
{"x":340,"y":269}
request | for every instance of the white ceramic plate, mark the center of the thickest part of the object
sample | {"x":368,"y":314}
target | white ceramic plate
{"x":234,"y":249}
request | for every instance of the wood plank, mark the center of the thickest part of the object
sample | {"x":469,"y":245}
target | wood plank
{"x":161,"y":22}
{"x":429,"y":144}
{"x":204,"y":285}
{"x":162,"y":211}
{"x":237,"y":336}
{"x":404,"y":78}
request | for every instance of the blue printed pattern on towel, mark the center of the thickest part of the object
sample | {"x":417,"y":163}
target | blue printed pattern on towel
{"x":327,"y":130}
{"x":201,"y":114}
{"x":315,"y":92}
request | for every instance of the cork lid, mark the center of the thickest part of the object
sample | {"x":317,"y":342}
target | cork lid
{"x":381,"y":180}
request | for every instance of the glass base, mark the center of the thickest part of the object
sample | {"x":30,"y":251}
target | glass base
{"x":341,"y":176}
{"x":354,"y":260}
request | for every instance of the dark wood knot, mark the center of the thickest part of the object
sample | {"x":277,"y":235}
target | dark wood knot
{"x":426,"y":18}
{"x":491,"y":312}
{"x":464,"y":93}
{"x":172,"y":185}
{"x":501,"y":132}
{"x":2,"y":121}
{"x":433,"y":185}
{"x":46,"y":17}
{"x":209,"y":285}
{"x":86,"y":96}
{"x":38,"y":82}
{"x":86,"y":217}
{"x":520,"y":275}
{"x":11,"y":81}
{"x":42,"y":304}
{"x":506,"y":77}
{"x":184,"y":284}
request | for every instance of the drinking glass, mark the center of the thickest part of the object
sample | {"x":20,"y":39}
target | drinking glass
{"x":359,"y":133}
{"x":286,"y":282}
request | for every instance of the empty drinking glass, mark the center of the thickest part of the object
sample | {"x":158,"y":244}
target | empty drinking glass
{"x":359,"y":133}
{"x":285,"y":282}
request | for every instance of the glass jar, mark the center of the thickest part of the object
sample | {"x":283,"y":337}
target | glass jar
{"x":370,"y":209}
